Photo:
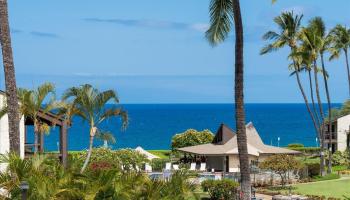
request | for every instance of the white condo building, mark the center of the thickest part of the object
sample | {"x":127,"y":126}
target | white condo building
{"x":337,"y":134}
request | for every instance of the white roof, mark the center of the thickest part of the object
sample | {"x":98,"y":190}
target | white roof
{"x":146,"y":153}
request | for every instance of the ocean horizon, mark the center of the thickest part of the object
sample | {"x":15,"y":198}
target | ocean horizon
{"x":152,"y":125}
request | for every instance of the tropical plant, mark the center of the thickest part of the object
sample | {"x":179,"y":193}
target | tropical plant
{"x":340,"y":38}
{"x":90,"y":105}
{"x":281,"y":165}
{"x":191,"y":137}
{"x":224,"y":13}
{"x":220,"y":189}
{"x":106,"y":137}
{"x":33,"y":103}
{"x":10,"y":78}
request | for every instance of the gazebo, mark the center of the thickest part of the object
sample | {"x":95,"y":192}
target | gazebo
{"x":50,"y":119}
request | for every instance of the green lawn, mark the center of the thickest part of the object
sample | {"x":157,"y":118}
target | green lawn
{"x":164,"y":154}
{"x":332,"y":188}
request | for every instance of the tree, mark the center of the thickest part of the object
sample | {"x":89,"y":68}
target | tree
{"x":289,"y":26}
{"x":340,"y":38}
{"x":316,"y":41}
{"x":35,"y":102}
{"x":222,"y":14}
{"x":191,"y":137}
{"x":281,"y":165}
{"x":106,"y":137}
{"x":90,"y":105}
{"x":10,"y":78}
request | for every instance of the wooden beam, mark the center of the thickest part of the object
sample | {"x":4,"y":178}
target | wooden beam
{"x":63,"y":144}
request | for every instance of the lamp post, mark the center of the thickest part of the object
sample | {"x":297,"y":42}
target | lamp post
{"x":278,"y":139}
{"x":24,"y":186}
{"x":316,"y":142}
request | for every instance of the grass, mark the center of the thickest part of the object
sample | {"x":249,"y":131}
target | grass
{"x":325,"y":178}
{"x":164,"y":154}
{"x":331,"y":188}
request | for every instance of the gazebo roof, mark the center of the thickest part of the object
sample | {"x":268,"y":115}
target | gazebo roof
{"x":225,"y":143}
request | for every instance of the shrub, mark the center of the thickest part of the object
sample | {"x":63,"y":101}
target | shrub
{"x":313,"y":169}
{"x":295,"y":145}
{"x":281,"y":164}
{"x":306,"y":150}
{"x":191,"y":137}
{"x":220,"y":189}
{"x":158,"y":164}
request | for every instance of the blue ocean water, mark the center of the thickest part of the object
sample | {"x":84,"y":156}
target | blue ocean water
{"x":152,"y":125}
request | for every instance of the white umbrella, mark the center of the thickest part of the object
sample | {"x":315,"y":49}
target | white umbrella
{"x":146,"y":153}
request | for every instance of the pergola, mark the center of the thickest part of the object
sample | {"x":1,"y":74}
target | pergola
{"x":50,"y":119}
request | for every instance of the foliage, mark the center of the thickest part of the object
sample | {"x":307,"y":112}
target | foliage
{"x":90,"y":105}
{"x":340,"y":158}
{"x":220,"y":189}
{"x":164,"y":154}
{"x":281,"y":164}
{"x":191,"y":137}
{"x":295,"y":145}
{"x":127,"y":159}
{"x":306,"y":150}
{"x":158,"y":164}
{"x":48,"y":180}
{"x":106,"y":137}
{"x":313,"y":169}
{"x":326,"y":177}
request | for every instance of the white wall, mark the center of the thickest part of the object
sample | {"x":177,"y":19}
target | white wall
{"x":343,"y":125}
{"x":4,"y":132}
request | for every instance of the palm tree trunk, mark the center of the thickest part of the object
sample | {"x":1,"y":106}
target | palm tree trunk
{"x":329,"y":170}
{"x":91,"y":142}
{"x":36,"y":142}
{"x":347,"y":66}
{"x":10,"y":79}
{"x":239,"y":104}
{"x":322,"y":142}
{"x":313,"y":100}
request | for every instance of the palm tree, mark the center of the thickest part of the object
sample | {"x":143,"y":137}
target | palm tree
{"x":35,"y":102}
{"x":10,"y":78}
{"x":222,"y":14}
{"x":316,"y":41}
{"x":340,"y":37}
{"x":289,"y":26}
{"x":106,"y":137}
{"x":90,"y":104}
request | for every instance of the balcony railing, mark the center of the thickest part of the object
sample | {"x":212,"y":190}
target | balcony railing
{"x":330,"y":136}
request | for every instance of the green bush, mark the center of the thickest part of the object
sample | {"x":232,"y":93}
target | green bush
{"x":158,"y":164}
{"x":295,"y":145}
{"x":306,"y":150}
{"x":326,"y":177}
{"x":220,"y":189}
{"x":313,"y":169}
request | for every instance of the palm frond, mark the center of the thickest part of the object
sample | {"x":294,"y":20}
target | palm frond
{"x":221,"y":19}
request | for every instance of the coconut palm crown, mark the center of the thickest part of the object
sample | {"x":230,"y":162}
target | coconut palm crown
{"x":90,"y":105}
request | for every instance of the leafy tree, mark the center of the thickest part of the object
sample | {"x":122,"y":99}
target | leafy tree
{"x":90,"y":104}
{"x":281,"y":165}
{"x":191,"y":137}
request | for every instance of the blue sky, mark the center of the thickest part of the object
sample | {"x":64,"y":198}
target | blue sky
{"x":155,"y":51}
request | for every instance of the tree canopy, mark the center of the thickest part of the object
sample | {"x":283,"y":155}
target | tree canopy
{"x":191,"y":137}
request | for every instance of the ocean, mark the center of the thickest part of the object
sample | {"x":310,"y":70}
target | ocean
{"x":152,"y":125}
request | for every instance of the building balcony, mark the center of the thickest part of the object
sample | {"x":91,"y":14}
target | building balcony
{"x":330,"y":136}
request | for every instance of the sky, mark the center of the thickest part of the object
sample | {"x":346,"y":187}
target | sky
{"x":155,"y":51}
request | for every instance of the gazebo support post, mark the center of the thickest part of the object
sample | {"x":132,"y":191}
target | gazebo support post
{"x":63,"y":144}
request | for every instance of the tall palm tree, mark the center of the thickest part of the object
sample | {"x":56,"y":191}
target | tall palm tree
{"x":90,"y":105}
{"x":35,"y":102}
{"x":10,"y":78}
{"x":223,"y":13}
{"x":316,"y":41}
{"x":340,"y":36}
{"x":289,"y":27}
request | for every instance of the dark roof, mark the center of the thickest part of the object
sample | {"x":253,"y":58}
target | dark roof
{"x":223,"y":134}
